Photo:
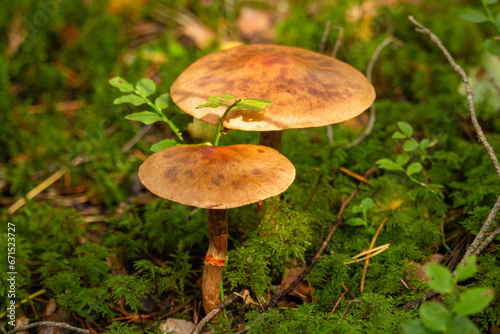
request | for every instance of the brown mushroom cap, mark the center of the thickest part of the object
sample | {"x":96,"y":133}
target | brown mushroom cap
{"x":308,"y":89}
{"x":217,"y":177}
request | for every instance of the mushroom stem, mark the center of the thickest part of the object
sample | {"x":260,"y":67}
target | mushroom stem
{"x":215,"y":259}
{"x":271,"y":139}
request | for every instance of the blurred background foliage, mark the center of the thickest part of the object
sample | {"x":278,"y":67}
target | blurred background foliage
{"x":97,"y":222}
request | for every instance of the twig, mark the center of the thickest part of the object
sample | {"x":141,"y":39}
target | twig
{"x":480,"y":238}
{"x":49,"y":324}
{"x":38,"y":189}
{"x":145,"y":129}
{"x":336,"y":48}
{"x":324,"y":37}
{"x":214,"y":312}
{"x":275,"y":299}
{"x":372,"y":244}
{"x":369,"y":75}
{"x":355,"y":301}
{"x":411,"y":305}
{"x":337,"y":303}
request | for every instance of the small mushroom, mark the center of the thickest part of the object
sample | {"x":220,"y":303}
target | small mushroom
{"x":216,"y":178}
{"x":308,"y":89}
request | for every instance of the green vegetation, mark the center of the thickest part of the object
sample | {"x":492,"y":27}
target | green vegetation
{"x":115,"y":258}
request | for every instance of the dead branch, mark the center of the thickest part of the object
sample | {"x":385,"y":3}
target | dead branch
{"x":274,"y":301}
{"x":355,"y":301}
{"x":229,"y":300}
{"x":479,"y":242}
{"x":369,"y":76}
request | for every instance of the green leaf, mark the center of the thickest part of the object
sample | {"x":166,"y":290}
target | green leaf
{"x":402,"y":159}
{"x":415,"y":167}
{"x":161,"y":145}
{"x":472,"y":15}
{"x":398,"y":135}
{"x":182,"y":121}
{"x":405,"y":128}
{"x":357,"y":209}
{"x":388,"y":164}
{"x":473,"y":300}
{"x":497,"y":20}
{"x":146,"y":117}
{"x":163,"y":101}
{"x":131,"y":98}
{"x":225,"y":97}
{"x":145,"y":87}
{"x":212,"y":104}
{"x":462,"y":325}
{"x":121,"y":84}
{"x":490,"y":2}
{"x":247,"y":106}
{"x":467,"y":270}
{"x":354,"y":221}
{"x":441,"y":279}
{"x":435,"y":316}
{"x":410,"y":145}
{"x":367,"y":204}
{"x":415,"y":327}
{"x":492,"y":47}
{"x":258,"y":101}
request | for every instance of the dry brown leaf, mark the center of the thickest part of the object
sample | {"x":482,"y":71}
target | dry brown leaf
{"x":302,"y":290}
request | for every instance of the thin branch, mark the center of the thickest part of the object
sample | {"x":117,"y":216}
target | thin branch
{"x":338,"y":43}
{"x":355,"y":301}
{"x":229,"y":300}
{"x":324,"y":37}
{"x":369,"y":76}
{"x":49,"y":324}
{"x":274,"y":301}
{"x":372,"y":244}
{"x":480,"y":238}
{"x":145,"y":129}
{"x":336,"y":48}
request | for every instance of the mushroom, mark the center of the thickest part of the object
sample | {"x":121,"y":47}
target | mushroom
{"x":308,"y":89}
{"x":216,"y":178}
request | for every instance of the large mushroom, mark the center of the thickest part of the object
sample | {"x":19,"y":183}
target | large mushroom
{"x":308,"y":89}
{"x":216,"y":178}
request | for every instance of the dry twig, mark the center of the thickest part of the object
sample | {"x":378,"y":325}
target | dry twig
{"x":299,"y":279}
{"x":214,"y":312}
{"x":355,"y":301}
{"x":480,"y":242}
{"x":369,"y":75}
{"x":336,"y":48}
{"x":372,"y":244}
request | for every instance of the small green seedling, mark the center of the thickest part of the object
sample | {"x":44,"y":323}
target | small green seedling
{"x":218,"y":101}
{"x":435,"y":317}
{"x":363,"y":208}
{"x":475,"y":16}
{"x":138,"y":96}
{"x":410,"y":144}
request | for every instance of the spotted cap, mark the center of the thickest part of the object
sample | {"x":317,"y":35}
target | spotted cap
{"x":217,"y":177}
{"x":308,"y":89}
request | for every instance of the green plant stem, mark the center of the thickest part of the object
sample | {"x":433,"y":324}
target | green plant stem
{"x":165,"y":119}
{"x":490,"y":16}
{"x":218,"y":130}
